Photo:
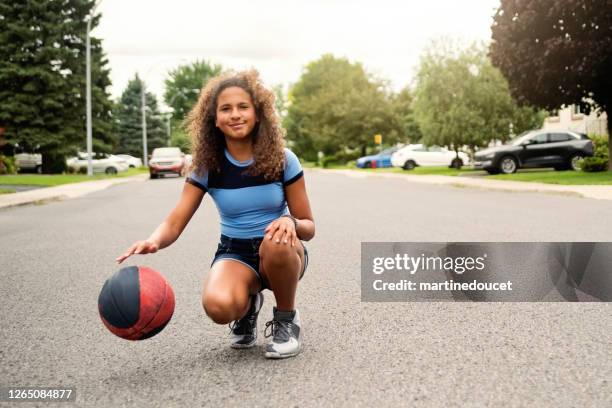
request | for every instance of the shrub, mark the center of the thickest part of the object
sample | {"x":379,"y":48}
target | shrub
{"x":599,"y":160}
{"x":7,"y":165}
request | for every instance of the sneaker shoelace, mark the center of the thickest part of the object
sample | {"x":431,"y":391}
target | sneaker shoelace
{"x":280,"y":330}
{"x":244,"y":325}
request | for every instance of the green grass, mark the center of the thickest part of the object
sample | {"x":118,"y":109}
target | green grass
{"x":6,"y":190}
{"x":558,"y":177}
{"x":59,"y":179}
{"x":438,"y":170}
{"x":528,"y":175}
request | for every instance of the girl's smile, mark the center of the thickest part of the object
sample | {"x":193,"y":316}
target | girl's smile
{"x":235,"y":113}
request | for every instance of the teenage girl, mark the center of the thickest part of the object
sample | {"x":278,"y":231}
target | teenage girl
{"x":258,"y":187}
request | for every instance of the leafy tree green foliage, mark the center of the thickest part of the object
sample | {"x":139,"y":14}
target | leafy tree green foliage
{"x":556,"y":53}
{"x":280,"y":100}
{"x":129,"y":120}
{"x":184,"y":83}
{"x":42,"y":79}
{"x":336,"y":105}
{"x":402,"y":105}
{"x":461,"y":99}
{"x":181,"y":140}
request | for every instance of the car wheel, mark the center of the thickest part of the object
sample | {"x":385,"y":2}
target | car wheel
{"x":110,"y":170}
{"x":409,"y":165}
{"x":153,"y":176}
{"x":507,"y":165}
{"x":456,"y":164}
{"x":367,"y":165}
{"x":574,"y":162}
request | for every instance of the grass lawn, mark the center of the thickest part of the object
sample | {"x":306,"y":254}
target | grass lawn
{"x":528,"y":175}
{"x":6,"y":190}
{"x":58,"y":179}
{"x":559,"y":177}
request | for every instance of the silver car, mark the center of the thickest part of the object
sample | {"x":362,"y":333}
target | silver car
{"x":101,"y":162}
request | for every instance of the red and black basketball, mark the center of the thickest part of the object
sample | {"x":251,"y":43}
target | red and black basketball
{"x":136,"y":303}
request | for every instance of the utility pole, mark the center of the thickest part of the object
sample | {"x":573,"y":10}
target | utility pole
{"x":88,"y":89}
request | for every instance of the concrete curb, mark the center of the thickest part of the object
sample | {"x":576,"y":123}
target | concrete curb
{"x":64,"y":191}
{"x":586,"y":191}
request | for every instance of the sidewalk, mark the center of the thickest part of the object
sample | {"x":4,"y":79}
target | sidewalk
{"x":79,"y":189}
{"x":598,"y":192}
{"x":64,"y":191}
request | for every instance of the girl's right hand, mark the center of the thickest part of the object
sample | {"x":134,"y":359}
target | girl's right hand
{"x":139,"y":247}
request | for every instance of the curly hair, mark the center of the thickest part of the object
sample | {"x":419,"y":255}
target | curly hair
{"x":208,"y":142}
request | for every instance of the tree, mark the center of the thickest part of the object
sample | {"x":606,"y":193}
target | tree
{"x":556,"y":53}
{"x":460,"y":98}
{"x":183,"y":85}
{"x":42,"y":79}
{"x":129,"y":120}
{"x":402,"y":104}
{"x":336,"y":105}
{"x":280,"y":100}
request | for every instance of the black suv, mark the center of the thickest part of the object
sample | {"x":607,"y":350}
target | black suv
{"x":536,"y":148}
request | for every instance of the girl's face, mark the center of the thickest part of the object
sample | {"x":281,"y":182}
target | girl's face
{"x":235,"y":114}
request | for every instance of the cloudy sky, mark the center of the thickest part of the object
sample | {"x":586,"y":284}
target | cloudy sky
{"x":280,"y":37}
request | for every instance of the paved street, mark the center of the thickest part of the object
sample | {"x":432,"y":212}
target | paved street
{"x":55,"y":258}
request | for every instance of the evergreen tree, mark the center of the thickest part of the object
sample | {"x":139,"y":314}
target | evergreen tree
{"x":42,"y":78}
{"x":129,"y":121}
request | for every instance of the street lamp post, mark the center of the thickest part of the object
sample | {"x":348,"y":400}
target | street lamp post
{"x":88,"y":90}
{"x":145,"y":151}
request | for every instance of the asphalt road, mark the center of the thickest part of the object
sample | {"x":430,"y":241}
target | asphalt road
{"x":55,"y":257}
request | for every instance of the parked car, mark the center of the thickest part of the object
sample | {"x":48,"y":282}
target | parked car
{"x":414,"y":155}
{"x":29,"y":162}
{"x":382,"y":159}
{"x":101,"y":163}
{"x":537,"y":148}
{"x":167,"y":160}
{"x":133,"y":162}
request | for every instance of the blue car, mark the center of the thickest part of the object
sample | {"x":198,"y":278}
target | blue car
{"x":382,"y":159}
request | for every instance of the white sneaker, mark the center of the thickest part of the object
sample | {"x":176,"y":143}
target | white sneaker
{"x":285,"y":332}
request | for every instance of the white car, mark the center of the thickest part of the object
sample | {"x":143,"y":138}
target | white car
{"x":29,"y":161}
{"x":101,"y":163}
{"x":414,"y":155}
{"x":132,"y":161}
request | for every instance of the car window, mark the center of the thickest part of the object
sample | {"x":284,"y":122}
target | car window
{"x":539,"y":139}
{"x":560,"y":137}
{"x":419,"y":149}
{"x":435,"y":149}
{"x":167,"y":152}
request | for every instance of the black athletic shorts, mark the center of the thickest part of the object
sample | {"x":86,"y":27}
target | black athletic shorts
{"x":246,"y":251}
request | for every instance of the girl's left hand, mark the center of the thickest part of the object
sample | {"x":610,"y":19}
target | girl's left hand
{"x":282,"y":230}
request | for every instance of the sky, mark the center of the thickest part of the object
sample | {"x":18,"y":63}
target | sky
{"x":279,"y":38}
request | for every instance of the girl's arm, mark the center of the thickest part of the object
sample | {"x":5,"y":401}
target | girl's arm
{"x":172,"y":227}
{"x":299,"y":207}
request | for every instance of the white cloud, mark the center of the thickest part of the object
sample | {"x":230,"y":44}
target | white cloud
{"x":280,"y":37}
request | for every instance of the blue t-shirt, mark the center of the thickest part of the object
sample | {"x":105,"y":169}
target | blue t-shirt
{"x":247,"y":204}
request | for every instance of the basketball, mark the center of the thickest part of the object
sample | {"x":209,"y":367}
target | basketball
{"x":136,"y":303}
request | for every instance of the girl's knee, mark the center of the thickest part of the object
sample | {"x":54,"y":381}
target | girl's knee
{"x":276,"y":254}
{"x":221,"y":308}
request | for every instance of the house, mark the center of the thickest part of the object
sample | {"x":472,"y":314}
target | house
{"x":570,"y":118}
